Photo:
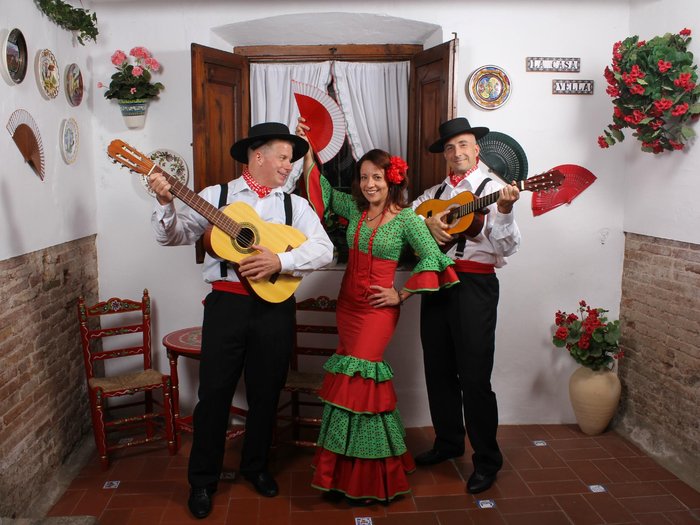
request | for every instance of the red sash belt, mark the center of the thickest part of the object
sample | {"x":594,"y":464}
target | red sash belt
{"x":463,"y":266}
{"x":229,"y":286}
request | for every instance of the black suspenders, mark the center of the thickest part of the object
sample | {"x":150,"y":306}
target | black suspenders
{"x":223,"y":265}
{"x":461,"y":243}
{"x":288,"y":215}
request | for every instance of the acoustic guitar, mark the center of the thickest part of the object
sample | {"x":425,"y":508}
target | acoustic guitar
{"x":466,"y":211}
{"x":236,"y":227}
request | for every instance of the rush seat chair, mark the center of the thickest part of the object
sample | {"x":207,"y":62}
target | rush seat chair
{"x":116,"y":335}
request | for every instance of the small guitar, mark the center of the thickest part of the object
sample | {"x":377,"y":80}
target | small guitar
{"x":467,"y":211}
{"x":236,"y":227}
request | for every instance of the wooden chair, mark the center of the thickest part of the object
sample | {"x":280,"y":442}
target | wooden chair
{"x":126,"y":322}
{"x":316,"y":336}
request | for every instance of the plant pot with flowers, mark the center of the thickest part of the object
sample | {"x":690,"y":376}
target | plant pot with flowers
{"x":132,"y":86}
{"x":655,"y":93}
{"x":593,"y":342}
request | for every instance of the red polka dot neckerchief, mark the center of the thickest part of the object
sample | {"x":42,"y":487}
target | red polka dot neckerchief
{"x":259,"y":189}
{"x":456,"y":179}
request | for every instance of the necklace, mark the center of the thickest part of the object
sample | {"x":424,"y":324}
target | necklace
{"x":370,"y":219}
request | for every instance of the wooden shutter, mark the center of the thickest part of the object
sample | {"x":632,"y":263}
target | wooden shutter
{"x":220,"y":115}
{"x":431,"y":100}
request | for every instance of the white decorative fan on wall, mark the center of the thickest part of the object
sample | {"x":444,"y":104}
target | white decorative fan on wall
{"x":324,"y":118}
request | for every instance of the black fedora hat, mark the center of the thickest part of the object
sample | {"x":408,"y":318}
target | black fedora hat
{"x":265,"y":132}
{"x":452,"y":128}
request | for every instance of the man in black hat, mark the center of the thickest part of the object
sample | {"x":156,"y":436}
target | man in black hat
{"x":241,"y":333}
{"x":458,"y":324}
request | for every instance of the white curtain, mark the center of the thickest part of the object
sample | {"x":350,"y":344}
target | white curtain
{"x":272,"y":100}
{"x":374,"y":99}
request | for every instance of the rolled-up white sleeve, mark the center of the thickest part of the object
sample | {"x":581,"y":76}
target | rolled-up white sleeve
{"x":179,"y":228}
{"x":314,"y":253}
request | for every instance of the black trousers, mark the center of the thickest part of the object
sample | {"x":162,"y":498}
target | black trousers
{"x":458,"y":330}
{"x":240,"y":334}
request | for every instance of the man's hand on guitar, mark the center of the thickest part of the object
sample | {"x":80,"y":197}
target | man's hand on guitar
{"x":437,"y":228}
{"x":507,"y":197}
{"x":261,"y":265}
{"x":161,"y":187}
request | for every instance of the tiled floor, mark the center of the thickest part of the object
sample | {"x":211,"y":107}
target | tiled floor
{"x":542,"y":483}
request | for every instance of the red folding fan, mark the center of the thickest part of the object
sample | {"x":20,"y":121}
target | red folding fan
{"x":324,"y":118}
{"x":576,"y":179}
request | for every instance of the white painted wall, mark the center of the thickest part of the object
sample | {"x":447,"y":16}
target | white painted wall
{"x":570,"y":253}
{"x":661,"y":198}
{"x":36,"y":214}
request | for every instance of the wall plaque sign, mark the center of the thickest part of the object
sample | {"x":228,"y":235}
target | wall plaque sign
{"x":560,"y":64}
{"x":572,"y":87}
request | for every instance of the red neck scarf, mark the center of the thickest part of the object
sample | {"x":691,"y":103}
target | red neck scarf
{"x":456,"y":179}
{"x":262,"y":191}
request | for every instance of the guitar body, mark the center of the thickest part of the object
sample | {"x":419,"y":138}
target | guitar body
{"x":277,"y":237}
{"x":470,"y":224}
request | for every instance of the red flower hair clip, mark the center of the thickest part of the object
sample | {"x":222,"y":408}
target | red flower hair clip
{"x":396,"y":172}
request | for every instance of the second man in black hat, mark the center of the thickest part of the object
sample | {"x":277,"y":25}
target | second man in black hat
{"x":458,"y":324}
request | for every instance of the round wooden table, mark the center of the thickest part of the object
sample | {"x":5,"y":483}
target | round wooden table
{"x":187,"y":342}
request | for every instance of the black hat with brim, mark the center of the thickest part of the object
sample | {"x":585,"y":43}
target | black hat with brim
{"x":452,"y":128}
{"x":265,"y":132}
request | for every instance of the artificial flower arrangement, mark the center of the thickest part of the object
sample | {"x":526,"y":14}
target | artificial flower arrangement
{"x":133,"y":81}
{"x":654,"y":89}
{"x":589,"y":337}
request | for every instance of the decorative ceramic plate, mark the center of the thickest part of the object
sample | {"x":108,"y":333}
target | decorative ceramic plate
{"x":47,"y":73}
{"x":14,"y":56}
{"x":489,"y":87}
{"x":170,"y":162}
{"x":70,"y":140}
{"x":73,"y":80}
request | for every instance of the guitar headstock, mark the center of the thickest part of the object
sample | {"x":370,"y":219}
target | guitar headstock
{"x":119,"y":151}
{"x":545,"y":181}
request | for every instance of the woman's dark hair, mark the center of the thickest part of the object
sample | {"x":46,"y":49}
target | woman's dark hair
{"x":397,"y":192}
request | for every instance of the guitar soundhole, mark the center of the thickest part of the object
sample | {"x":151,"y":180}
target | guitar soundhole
{"x":246,"y":238}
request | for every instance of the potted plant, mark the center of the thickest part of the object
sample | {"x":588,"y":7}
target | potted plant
{"x":654,"y":89}
{"x":132,"y":84}
{"x":593,"y":342}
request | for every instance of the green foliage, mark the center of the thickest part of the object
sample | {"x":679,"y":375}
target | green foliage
{"x":591,"y":339}
{"x":71,"y":18}
{"x":654,"y":89}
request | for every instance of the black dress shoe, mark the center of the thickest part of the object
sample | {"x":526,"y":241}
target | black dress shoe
{"x":199,"y":502}
{"x":480,"y":482}
{"x":433,"y":457}
{"x":264,"y":483}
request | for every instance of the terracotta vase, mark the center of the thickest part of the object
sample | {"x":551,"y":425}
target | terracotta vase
{"x":134,"y":112}
{"x":594,"y":397}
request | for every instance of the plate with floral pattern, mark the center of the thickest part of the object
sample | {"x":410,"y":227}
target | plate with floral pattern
{"x":70,"y":140}
{"x":47,"y":73}
{"x":489,"y":87}
{"x":171,"y":162}
{"x":73,"y":81}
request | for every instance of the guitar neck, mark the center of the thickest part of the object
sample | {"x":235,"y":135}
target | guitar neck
{"x":482,"y":202}
{"x":198,"y":204}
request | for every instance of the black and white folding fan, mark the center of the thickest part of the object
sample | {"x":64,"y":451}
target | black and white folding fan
{"x":503,"y":156}
{"x":324,"y":118}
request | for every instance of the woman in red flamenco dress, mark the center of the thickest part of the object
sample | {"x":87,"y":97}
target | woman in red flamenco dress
{"x":361,"y":450}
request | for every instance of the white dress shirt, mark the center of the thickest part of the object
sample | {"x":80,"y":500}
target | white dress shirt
{"x":500,"y":236}
{"x":186,"y":226}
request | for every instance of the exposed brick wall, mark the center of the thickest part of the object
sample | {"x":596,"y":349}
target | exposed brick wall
{"x":43,"y":402}
{"x":660,"y":316}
